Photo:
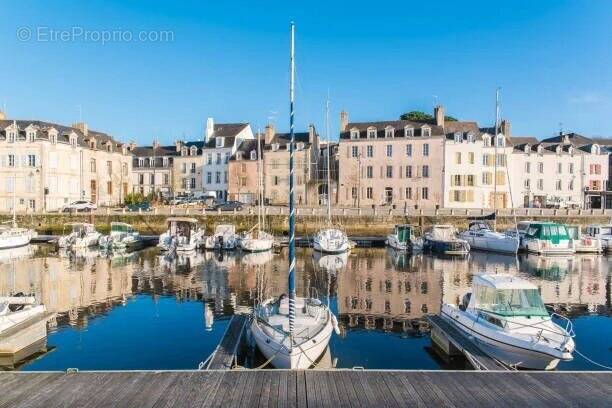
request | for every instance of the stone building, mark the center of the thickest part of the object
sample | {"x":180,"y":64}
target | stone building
{"x":50,"y":165}
{"x":153,"y":169}
{"x":188,"y":168}
{"x":396,"y":162}
{"x":244,"y":170}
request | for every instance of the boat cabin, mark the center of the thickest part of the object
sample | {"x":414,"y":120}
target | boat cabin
{"x":443,"y":232}
{"x":506,"y":296}
{"x":81,"y":228}
{"x":403,"y":232}
{"x":547,"y":231}
{"x":225,"y":229}
{"x":182,"y":226}
{"x":121,"y":228}
{"x":599,"y":230}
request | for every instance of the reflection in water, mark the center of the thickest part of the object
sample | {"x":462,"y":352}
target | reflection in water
{"x":182,"y":303}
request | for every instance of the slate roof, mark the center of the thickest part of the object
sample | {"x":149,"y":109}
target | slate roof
{"x":147,"y":151}
{"x":398,"y":125}
{"x":228,"y":131}
{"x":247,"y":146}
{"x":574,"y":138}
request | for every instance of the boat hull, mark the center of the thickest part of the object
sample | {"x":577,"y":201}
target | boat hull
{"x":504,"y":245}
{"x":446,"y":247}
{"x":256,"y":245}
{"x":14,"y":240}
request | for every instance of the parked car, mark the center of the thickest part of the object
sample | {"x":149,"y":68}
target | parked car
{"x":178,"y":200}
{"x":229,"y":206}
{"x":139,"y":207}
{"x":79,"y":206}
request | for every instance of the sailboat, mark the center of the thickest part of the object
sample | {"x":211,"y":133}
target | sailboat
{"x":257,"y":239}
{"x":292,"y":332}
{"x":12,"y":236}
{"x":330,"y":240}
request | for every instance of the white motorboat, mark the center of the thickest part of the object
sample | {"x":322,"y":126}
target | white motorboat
{"x":603,"y":233}
{"x":442,"y":239}
{"x":403,"y":239}
{"x":17,"y":309}
{"x":122,"y":236}
{"x":506,"y":316}
{"x":292,"y":332}
{"x":584,"y":244}
{"x":82,"y":235}
{"x":547,"y":238}
{"x":183,"y":234}
{"x":480,"y":236}
{"x":331,"y":241}
{"x":224,"y":238}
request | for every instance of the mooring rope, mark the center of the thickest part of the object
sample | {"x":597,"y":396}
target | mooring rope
{"x":592,"y":361}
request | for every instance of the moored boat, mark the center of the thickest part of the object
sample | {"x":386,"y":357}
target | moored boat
{"x":331,"y":241}
{"x":584,"y":243}
{"x":506,"y":316}
{"x":183,"y":234}
{"x":480,"y":236}
{"x":14,"y":236}
{"x":602,"y":232}
{"x":547,"y":238}
{"x":224,"y":238}
{"x":403,"y":238}
{"x":442,"y":239}
{"x":82,"y":235}
{"x":122,"y":236}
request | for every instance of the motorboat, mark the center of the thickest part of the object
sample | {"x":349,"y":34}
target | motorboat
{"x":183,"y":234}
{"x":506,"y":317}
{"x":256,"y":241}
{"x":480,"y":236}
{"x":331,"y":241}
{"x":15,"y":310}
{"x":82,"y":235}
{"x":122,"y":236}
{"x":584,"y":244}
{"x":224,"y":238}
{"x":603,"y":233}
{"x":442,"y":239}
{"x":548,"y":238}
{"x":403,"y":239}
{"x":291,"y":331}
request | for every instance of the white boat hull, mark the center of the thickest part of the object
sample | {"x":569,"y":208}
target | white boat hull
{"x":506,"y":244}
{"x":256,"y":245}
{"x":15,"y":239}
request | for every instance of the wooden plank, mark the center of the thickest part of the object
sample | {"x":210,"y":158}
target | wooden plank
{"x":264,"y":396}
{"x":283,"y":391}
{"x":301,"y":395}
{"x":274,"y":388}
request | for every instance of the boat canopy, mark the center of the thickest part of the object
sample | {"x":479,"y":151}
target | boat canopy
{"x":507,"y":296}
{"x":602,"y":229}
{"x":547,"y":231}
{"x":478,"y":226}
{"x":121,"y":227}
{"x":443,"y":232}
{"x":403,"y":232}
{"x":573,"y":231}
{"x":224,"y":229}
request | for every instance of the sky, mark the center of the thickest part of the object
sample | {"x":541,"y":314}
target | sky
{"x":145,"y":70}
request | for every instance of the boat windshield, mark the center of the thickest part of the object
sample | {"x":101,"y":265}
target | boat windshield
{"x":605,"y":230}
{"x":403,"y":233}
{"x":548,"y":232}
{"x":510,"y":302}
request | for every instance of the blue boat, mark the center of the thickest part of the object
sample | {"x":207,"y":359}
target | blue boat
{"x":442,"y":239}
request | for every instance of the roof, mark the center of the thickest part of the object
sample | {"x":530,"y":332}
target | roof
{"x":283,"y":139}
{"x":63,"y":133}
{"x":573,"y":138}
{"x":247,"y":146}
{"x":380,"y":126}
{"x":228,"y":131}
{"x":523,"y":140}
{"x":502,"y":281}
{"x":148,"y":151}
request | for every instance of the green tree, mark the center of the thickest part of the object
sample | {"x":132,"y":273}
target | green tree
{"x":450,"y":119}
{"x":134,"y":198}
{"x":420,"y":116}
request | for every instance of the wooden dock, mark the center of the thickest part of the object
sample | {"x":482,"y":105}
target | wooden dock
{"x":317,"y":388}
{"x":453,"y":342}
{"x":225,"y":355}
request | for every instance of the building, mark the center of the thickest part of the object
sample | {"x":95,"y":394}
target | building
{"x":476,"y":166}
{"x":306,"y":166}
{"x":188,"y":168}
{"x":220,"y":143}
{"x":333,"y":172}
{"x":391,"y":162}
{"x":243,"y":172}
{"x":153,"y":169}
{"x":48,"y":165}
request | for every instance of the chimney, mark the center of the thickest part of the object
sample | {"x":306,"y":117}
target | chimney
{"x":2,"y":115}
{"x":210,"y":129}
{"x":82,"y":126}
{"x":312,"y":133}
{"x":343,"y":121}
{"x":270,"y":132}
{"x":439,"y":115}
{"x":505,"y":128}
{"x":132,"y":146}
{"x":178,"y":145}
{"x":156,"y":144}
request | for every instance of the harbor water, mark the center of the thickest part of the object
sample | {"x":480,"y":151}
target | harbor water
{"x":145,"y":310}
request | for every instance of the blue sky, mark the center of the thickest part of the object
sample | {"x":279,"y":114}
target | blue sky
{"x":229,"y":60}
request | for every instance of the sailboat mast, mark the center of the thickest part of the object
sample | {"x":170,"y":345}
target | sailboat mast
{"x":291,"y":186}
{"x":259,"y":194}
{"x":329,"y":215}
{"x":15,"y":175}
{"x":495,"y":152}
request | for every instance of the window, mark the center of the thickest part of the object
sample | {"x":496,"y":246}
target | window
{"x":193,"y":168}
{"x":184,"y":183}
{"x":152,"y":179}
{"x":253,"y":155}
{"x":124,"y":169}
{"x":109,"y":168}
{"x":486,"y":141}
{"x":192,"y":184}
{"x":471,"y":157}
{"x":183,"y":168}
{"x":389,"y":132}
{"x":487,"y":159}
{"x":354,"y":134}
{"x":92,"y":165}
{"x":32,"y":160}
{"x":500,"y":141}
{"x":559,"y":168}
{"x":389,"y":150}
{"x":225,"y":177}
{"x":470,"y":138}
{"x":527,"y":167}
{"x":218,"y":158}
{"x":425,"y":193}
{"x":208,"y":177}
{"x":370,"y":151}
{"x":218,"y":177}
{"x":487,"y":178}
{"x":425,"y":171}
{"x":458,"y":158}
{"x":227,"y":157}
{"x":409,"y":150}
{"x":500,"y":159}
{"x":354,"y":151}
{"x":354,"y":192}
{"x":372,"y":133}
{"x":243,"y":181}
{"x":408,"y":193}
{"x":275,"y":180}
{"x":166,"y":179}
{"x":11,"y":136}
{"x":426,"y":149}
{"x":458,"y":137}
{"x":389,"y":171}
{"x":369,"y":193}
{"x":209,"y":158}
{"x":527,"y":184}
{"x":595,"y":168}
{"x":540,"y":167}
{"x":408,"y":171}
{"x":369,"y":172}
{"x":540,"y":184}
{"x":426,"y":132}
{"x":109,"y":187}
{"x":219,"y":142}
{"x":32,"y":204}
{"x":470,"y":180}
{"x":141,"y":179}
{"x":571,"y":168}
{"x":73,"y":141}
{"x":408,"y":131}
{"x":571,"y":185}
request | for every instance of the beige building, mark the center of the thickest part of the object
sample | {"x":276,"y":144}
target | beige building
{"x":153,"y":169}
{"x":306,"y":165}
{"x":391,"y":162}
{"x":49,"y":165}
{"x":188,"y":167}
{"x":244,"y":170}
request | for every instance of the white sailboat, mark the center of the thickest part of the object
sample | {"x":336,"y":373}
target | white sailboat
{"x":257,"y":239}
{"x":331,"y":239}
{"x":292,"y":332}
{"x":480,"y":236}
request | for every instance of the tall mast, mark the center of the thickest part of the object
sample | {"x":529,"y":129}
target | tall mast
{"x":259,"y":192}
{"x":291,"y":202}
{"x":329,"y":216}
{"x":15,"y":175}
{"x":495,"y":152}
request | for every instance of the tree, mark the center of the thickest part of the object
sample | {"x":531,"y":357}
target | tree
{"x":420,"y":116}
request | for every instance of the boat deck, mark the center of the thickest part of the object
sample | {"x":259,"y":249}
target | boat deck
{"x":338,"y":388}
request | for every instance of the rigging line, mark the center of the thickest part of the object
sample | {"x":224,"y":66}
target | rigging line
{"x":591,"y":361}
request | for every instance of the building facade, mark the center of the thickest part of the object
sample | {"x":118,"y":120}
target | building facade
{"x":153,"y":169}
{"x":243,"y":172}
{"x":390,"y":163}
{"x":47,"y":165}
{"x":188,"y":168}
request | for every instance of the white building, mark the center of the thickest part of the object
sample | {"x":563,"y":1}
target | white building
{"x":221,"y":142}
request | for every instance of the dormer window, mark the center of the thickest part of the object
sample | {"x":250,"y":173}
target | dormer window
{"x":595,"y":149}
{"x":141,"y":162}
{"x":184,"y":151}
{"x":426,"y":131}
{"x":253,"y":155}
{"x":499,"y":141}
{"x":10,"y":136}
{"x":389,"y":132}
{"x":540,"y":149}
{"x":408,"y":131}
{"x":219,"y":141}
{"x":566,"y":139}
{"x":92,"y":144}
{"x":570,"y":150}
{"x":371,"y":133}
{"x":558,"y":150}
{"x":527,"y":149}
{"x":275,"y":147}
{"x":194,"y":150}
{"x":470,"y":138}
{"x":73,"y":140}
{"x":458,"y":137}
{"x":31,"y":135}
{"x":486,"y":141}
{"x":354,"y":134}
{"x":109,"y":147}
{"x":300,"y":146}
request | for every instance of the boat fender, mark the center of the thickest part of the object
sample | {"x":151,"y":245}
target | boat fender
{"x":335,"y":324}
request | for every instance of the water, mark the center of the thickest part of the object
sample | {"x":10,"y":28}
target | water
{"x":146,"y":311}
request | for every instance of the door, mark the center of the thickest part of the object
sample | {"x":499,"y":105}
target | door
{"x":500,"y":200}
{"x":94,"y":191}
{"x":388,"y":195}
